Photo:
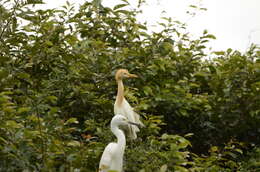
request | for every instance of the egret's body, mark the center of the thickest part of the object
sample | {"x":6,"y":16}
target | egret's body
{"x":121,"y":105}
{"x":112,"y":157}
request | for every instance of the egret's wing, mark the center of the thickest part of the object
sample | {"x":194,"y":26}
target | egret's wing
{"x":106,"y":158}
{"x":129,"y":112}
{"x":132,"y":115}
{"x":137,"y":119}
{"x":126,"y":110}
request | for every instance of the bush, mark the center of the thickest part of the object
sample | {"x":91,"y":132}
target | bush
{"x":57,"y":92}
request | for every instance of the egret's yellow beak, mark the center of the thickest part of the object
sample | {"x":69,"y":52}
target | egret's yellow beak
{"x":133,"y":123}
{"x":132,"y":75}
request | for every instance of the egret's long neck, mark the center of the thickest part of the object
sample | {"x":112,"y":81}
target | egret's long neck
{"x":120,"y":138}
{"x":120,"y":91}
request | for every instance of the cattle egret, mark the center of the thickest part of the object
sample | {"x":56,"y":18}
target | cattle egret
{"x":121,"y":105}
{"x":112,"y":157}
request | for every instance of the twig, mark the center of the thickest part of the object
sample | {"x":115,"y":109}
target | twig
{"x":10,"y":19}
{"x":41,"y":134}
{"x":250,"y":36}
{"x":5,"y":27}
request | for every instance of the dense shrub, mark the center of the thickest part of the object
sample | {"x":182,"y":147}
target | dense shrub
{"x":57,"y":92}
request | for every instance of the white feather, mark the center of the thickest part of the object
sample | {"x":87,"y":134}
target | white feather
{"x":110,"y":160}
{"x":126,"y":110}
{"x":112,"y":157}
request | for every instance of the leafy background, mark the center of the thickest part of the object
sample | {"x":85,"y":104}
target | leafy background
{"x":57,"y":88}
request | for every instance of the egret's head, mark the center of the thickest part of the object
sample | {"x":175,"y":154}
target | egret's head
{"x":120,"y":120}
{"x":123,"y":73}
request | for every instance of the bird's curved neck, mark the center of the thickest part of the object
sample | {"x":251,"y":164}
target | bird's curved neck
{"x":120,"y":91}
{"x":121,"y":141}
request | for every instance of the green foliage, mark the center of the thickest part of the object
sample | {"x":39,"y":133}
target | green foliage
{"x":167,"y":152}
{"x":220,"y":159}
{"x":57,"y":92}
{"x":252,"y":161}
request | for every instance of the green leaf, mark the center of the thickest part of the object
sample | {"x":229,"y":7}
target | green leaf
{"x":52,"y":99}
{"x":212,"y":69}
{"x":180,"y":169}
{"x":3,"y":72}
{"x":205,"y":32}
{"x":13,"y":124}
{"x":165,"y":136}
{"x":23,"y":110}
{"x":188,"y":134}
{"x":34,"y":2}
{"x":163,"y":168}
{"x":229,"y":50}
{"x":23,"y":75}
{"x":214,"y":149}
{"x":33,"y":118}
{"x":73,"y":143}
{"x":123,"y":11}
{"x":32,"y":134}
{"x":3,"y":140}
{"x":194,"y":85}
{"x":120,"y":6}
{"x":233,"y":155}
{"x":96,"y":3}
{"x":71,"y":121}
{"x":48,"y":43}
{"x":210,"y":36}
{"x":193,"y":6}
{"x":219,"y":53}
{"x":147,"y":90}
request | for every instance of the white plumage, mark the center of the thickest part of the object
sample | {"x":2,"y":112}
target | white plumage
{"x":112,"y":157}
{"x":132,"y":116}
{"x":121,"y":105}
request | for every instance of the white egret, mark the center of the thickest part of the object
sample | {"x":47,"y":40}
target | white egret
{"x":121,"y":105}
{"x":112,"y":157}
